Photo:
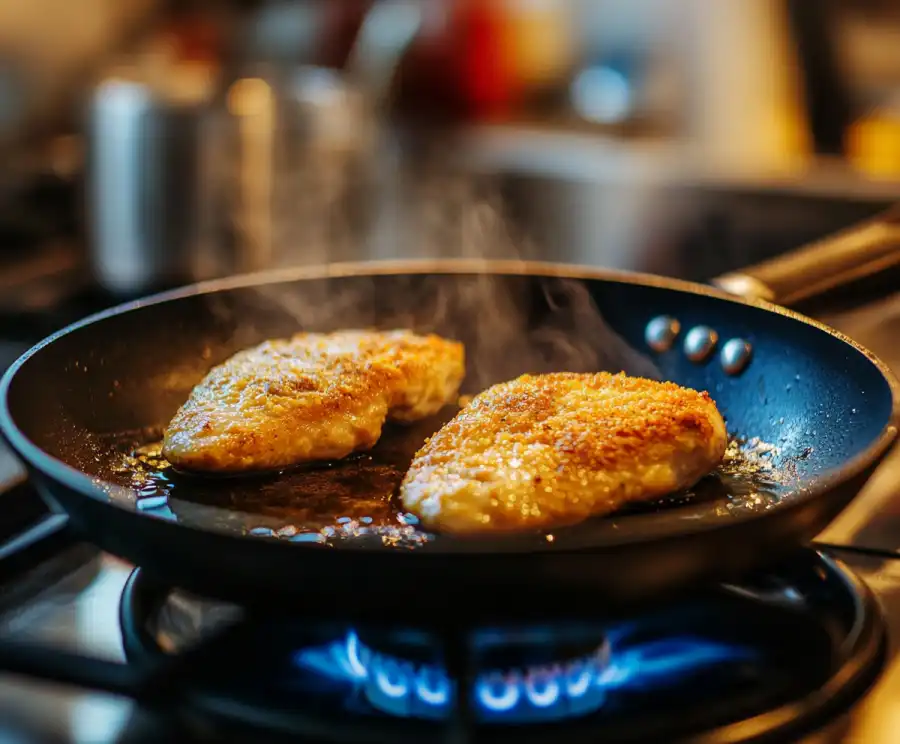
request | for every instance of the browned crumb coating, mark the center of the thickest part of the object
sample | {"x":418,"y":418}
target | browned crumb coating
{"x":311,"y":397}
{"x":548,"y":450}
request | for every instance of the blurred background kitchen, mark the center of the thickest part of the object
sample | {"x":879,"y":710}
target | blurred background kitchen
{"x":149,"y":143}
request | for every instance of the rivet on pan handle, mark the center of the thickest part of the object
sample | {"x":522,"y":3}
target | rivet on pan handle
{"x":856,"y":253}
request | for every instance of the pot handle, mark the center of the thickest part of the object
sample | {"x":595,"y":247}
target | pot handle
{"x":863,"y":250}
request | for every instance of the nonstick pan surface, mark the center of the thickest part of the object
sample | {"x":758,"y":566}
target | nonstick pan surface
{"x":811,"y":414}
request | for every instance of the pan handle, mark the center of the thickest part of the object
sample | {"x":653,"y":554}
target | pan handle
{"x":858,"y":252}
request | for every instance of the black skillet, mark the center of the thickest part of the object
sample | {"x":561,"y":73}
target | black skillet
{"x":74,"y":403}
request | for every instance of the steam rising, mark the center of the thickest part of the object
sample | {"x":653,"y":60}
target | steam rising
{"x":510,"y":325}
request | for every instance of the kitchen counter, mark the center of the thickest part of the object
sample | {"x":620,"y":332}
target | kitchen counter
{"x":561,"y":153}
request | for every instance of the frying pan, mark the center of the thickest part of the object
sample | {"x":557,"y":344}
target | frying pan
{"x":825,"y":407}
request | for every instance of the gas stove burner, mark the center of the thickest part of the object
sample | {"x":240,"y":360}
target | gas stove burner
{"x":776,"y":655}
{"x":521,"y":693}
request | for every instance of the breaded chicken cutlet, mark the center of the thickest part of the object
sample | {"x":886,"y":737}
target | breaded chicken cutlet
{"x":552,"y":450}
{"x":309,"y":398}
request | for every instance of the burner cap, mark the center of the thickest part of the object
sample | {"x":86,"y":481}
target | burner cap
{"x":520,"y":674}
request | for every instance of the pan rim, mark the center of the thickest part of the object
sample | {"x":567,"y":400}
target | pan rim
{"x":86,"y":485}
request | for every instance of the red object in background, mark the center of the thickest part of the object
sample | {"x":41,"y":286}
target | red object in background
{"x":458,"y":67}
{"x":482,"y":70}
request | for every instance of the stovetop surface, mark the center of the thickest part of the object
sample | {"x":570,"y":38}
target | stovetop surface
{"x":80,"y":613}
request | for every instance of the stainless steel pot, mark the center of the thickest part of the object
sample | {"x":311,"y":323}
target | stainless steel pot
{"x":188,"y":180}
{"x":143,"y":181}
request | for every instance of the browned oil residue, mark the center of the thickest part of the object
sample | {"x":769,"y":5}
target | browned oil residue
{"x":326,"y":503}
{"x":357,"y":497}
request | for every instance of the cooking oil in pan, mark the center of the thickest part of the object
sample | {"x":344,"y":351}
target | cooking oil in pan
{"x":751,"y":477}
{"x":326,"y":503}
{"x":357,"y":497}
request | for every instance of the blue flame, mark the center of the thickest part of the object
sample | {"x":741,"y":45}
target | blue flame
{"x":537,"y":693}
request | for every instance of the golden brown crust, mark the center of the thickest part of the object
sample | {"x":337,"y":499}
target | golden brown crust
{"x":546,"y":450}
{"x":310,"y":397}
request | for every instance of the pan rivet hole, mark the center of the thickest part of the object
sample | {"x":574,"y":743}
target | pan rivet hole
{"x":735,"y":355}
{"x":699,"y":343}
{"x":661,"y":333}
